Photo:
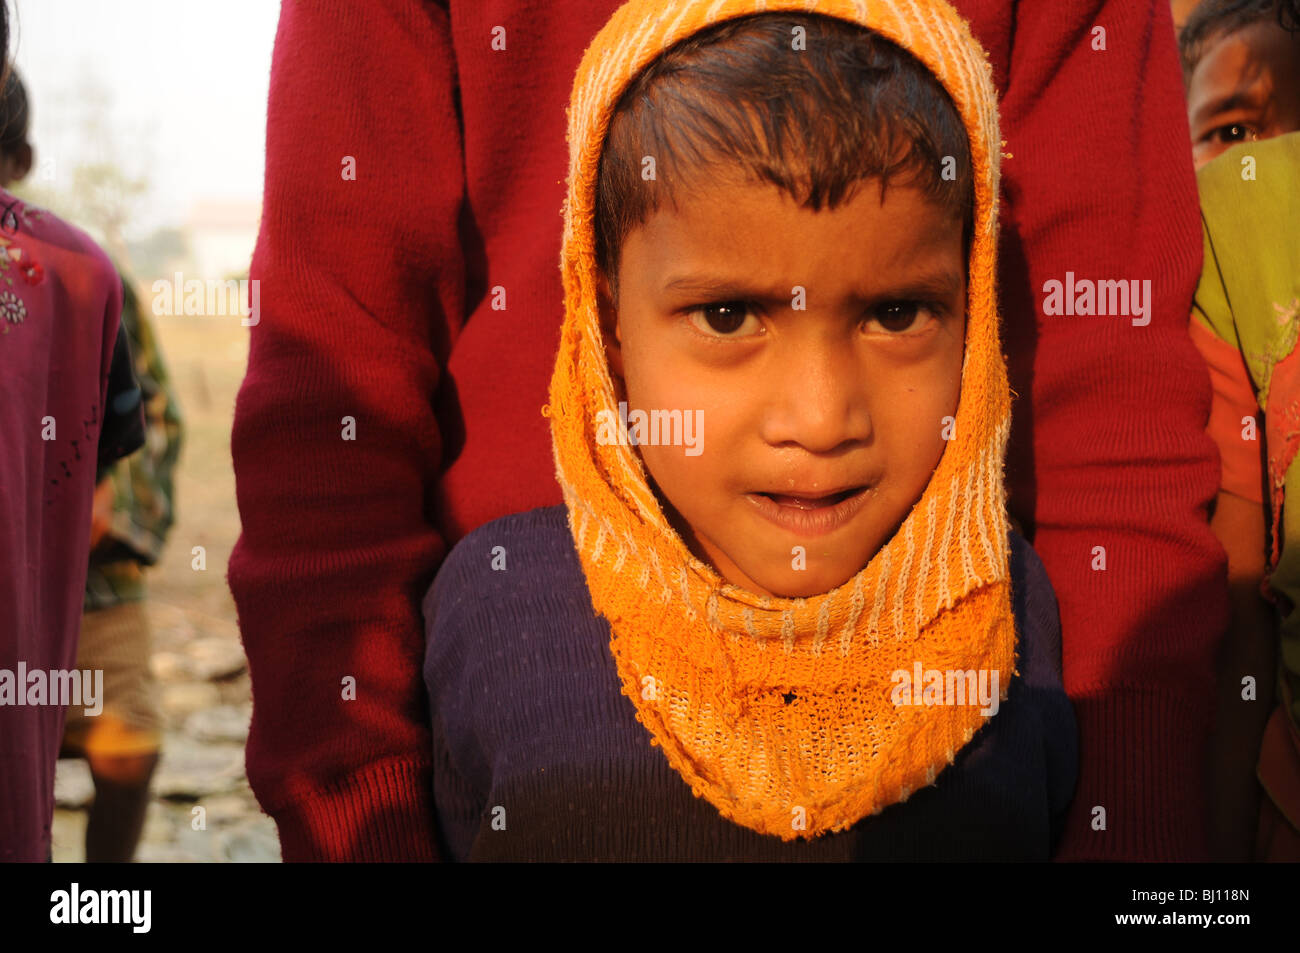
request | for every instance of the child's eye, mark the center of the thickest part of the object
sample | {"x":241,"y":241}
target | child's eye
{"x":723,"y":319}
{"x":1232,"y":132}
{"x":898,"y":317}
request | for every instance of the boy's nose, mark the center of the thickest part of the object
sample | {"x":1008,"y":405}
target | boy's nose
{"x":816,"y":398}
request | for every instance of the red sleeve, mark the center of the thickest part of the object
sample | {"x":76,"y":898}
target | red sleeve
{"x":1108,"y":444}
{"x":361,"y":291}
{"x":1234,"y":401}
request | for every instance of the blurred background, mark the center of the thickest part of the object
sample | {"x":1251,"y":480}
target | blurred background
{"x":147,"y":120}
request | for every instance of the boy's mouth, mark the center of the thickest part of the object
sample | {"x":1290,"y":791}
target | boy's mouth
{"x":810,"y":513}
{"x":807,"y":501}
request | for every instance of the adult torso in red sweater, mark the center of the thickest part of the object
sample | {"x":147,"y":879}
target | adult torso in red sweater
{"x":432,"y":324}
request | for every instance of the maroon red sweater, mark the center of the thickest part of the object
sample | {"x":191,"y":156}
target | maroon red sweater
{"x":392,"y":404}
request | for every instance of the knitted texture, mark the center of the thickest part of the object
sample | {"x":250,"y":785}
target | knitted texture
{"x":706,"y":663}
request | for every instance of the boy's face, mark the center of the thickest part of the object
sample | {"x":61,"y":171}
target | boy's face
{"x":1246,"y":86}
{"x":823,"y":350}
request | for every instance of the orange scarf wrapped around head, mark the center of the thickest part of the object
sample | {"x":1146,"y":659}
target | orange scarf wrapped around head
{"x":708,"y":665}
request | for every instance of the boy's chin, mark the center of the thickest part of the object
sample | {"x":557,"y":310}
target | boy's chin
{"x":787,"y":583}
{"x":775,"y":571}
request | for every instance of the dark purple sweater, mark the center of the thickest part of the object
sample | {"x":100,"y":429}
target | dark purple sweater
{"x":538,"y":756}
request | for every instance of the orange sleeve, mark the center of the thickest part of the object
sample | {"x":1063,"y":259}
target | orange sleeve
{"x":1234,"y":399}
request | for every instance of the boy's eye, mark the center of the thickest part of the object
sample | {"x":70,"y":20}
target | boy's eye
{"x":723,"y":318}
{"x":1232,"y":132}
{"x":897,"y":317}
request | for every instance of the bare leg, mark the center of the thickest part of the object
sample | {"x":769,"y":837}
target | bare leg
{"x":121,"y":800}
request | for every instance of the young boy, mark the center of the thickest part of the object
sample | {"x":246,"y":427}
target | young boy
{"x":778,"y":417}
{"x":1243,"y":61}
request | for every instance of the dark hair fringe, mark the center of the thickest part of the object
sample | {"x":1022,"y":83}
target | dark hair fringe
{"x":1213,"y":18}
{"x":735,"y":101}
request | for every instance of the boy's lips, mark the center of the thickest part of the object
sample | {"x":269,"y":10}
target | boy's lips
{"x":811,"y":513}
{"x":811,"y":501}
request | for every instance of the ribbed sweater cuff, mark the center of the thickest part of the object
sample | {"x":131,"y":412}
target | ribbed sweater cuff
{"x":382,"y":813}
{"x":1141,"y":757}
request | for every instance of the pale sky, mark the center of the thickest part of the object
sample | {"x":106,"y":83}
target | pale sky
{"x":186,"y":84}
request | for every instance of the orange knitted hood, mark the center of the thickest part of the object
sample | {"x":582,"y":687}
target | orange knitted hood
{"x":707,"y":664}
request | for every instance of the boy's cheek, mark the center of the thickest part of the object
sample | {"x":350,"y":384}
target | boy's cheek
{"x":684,"y":475}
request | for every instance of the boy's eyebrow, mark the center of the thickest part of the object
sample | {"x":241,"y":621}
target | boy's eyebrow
{"x":938,"y":284}
{"x":710,"y":285}
{"x":1238,"y":99}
